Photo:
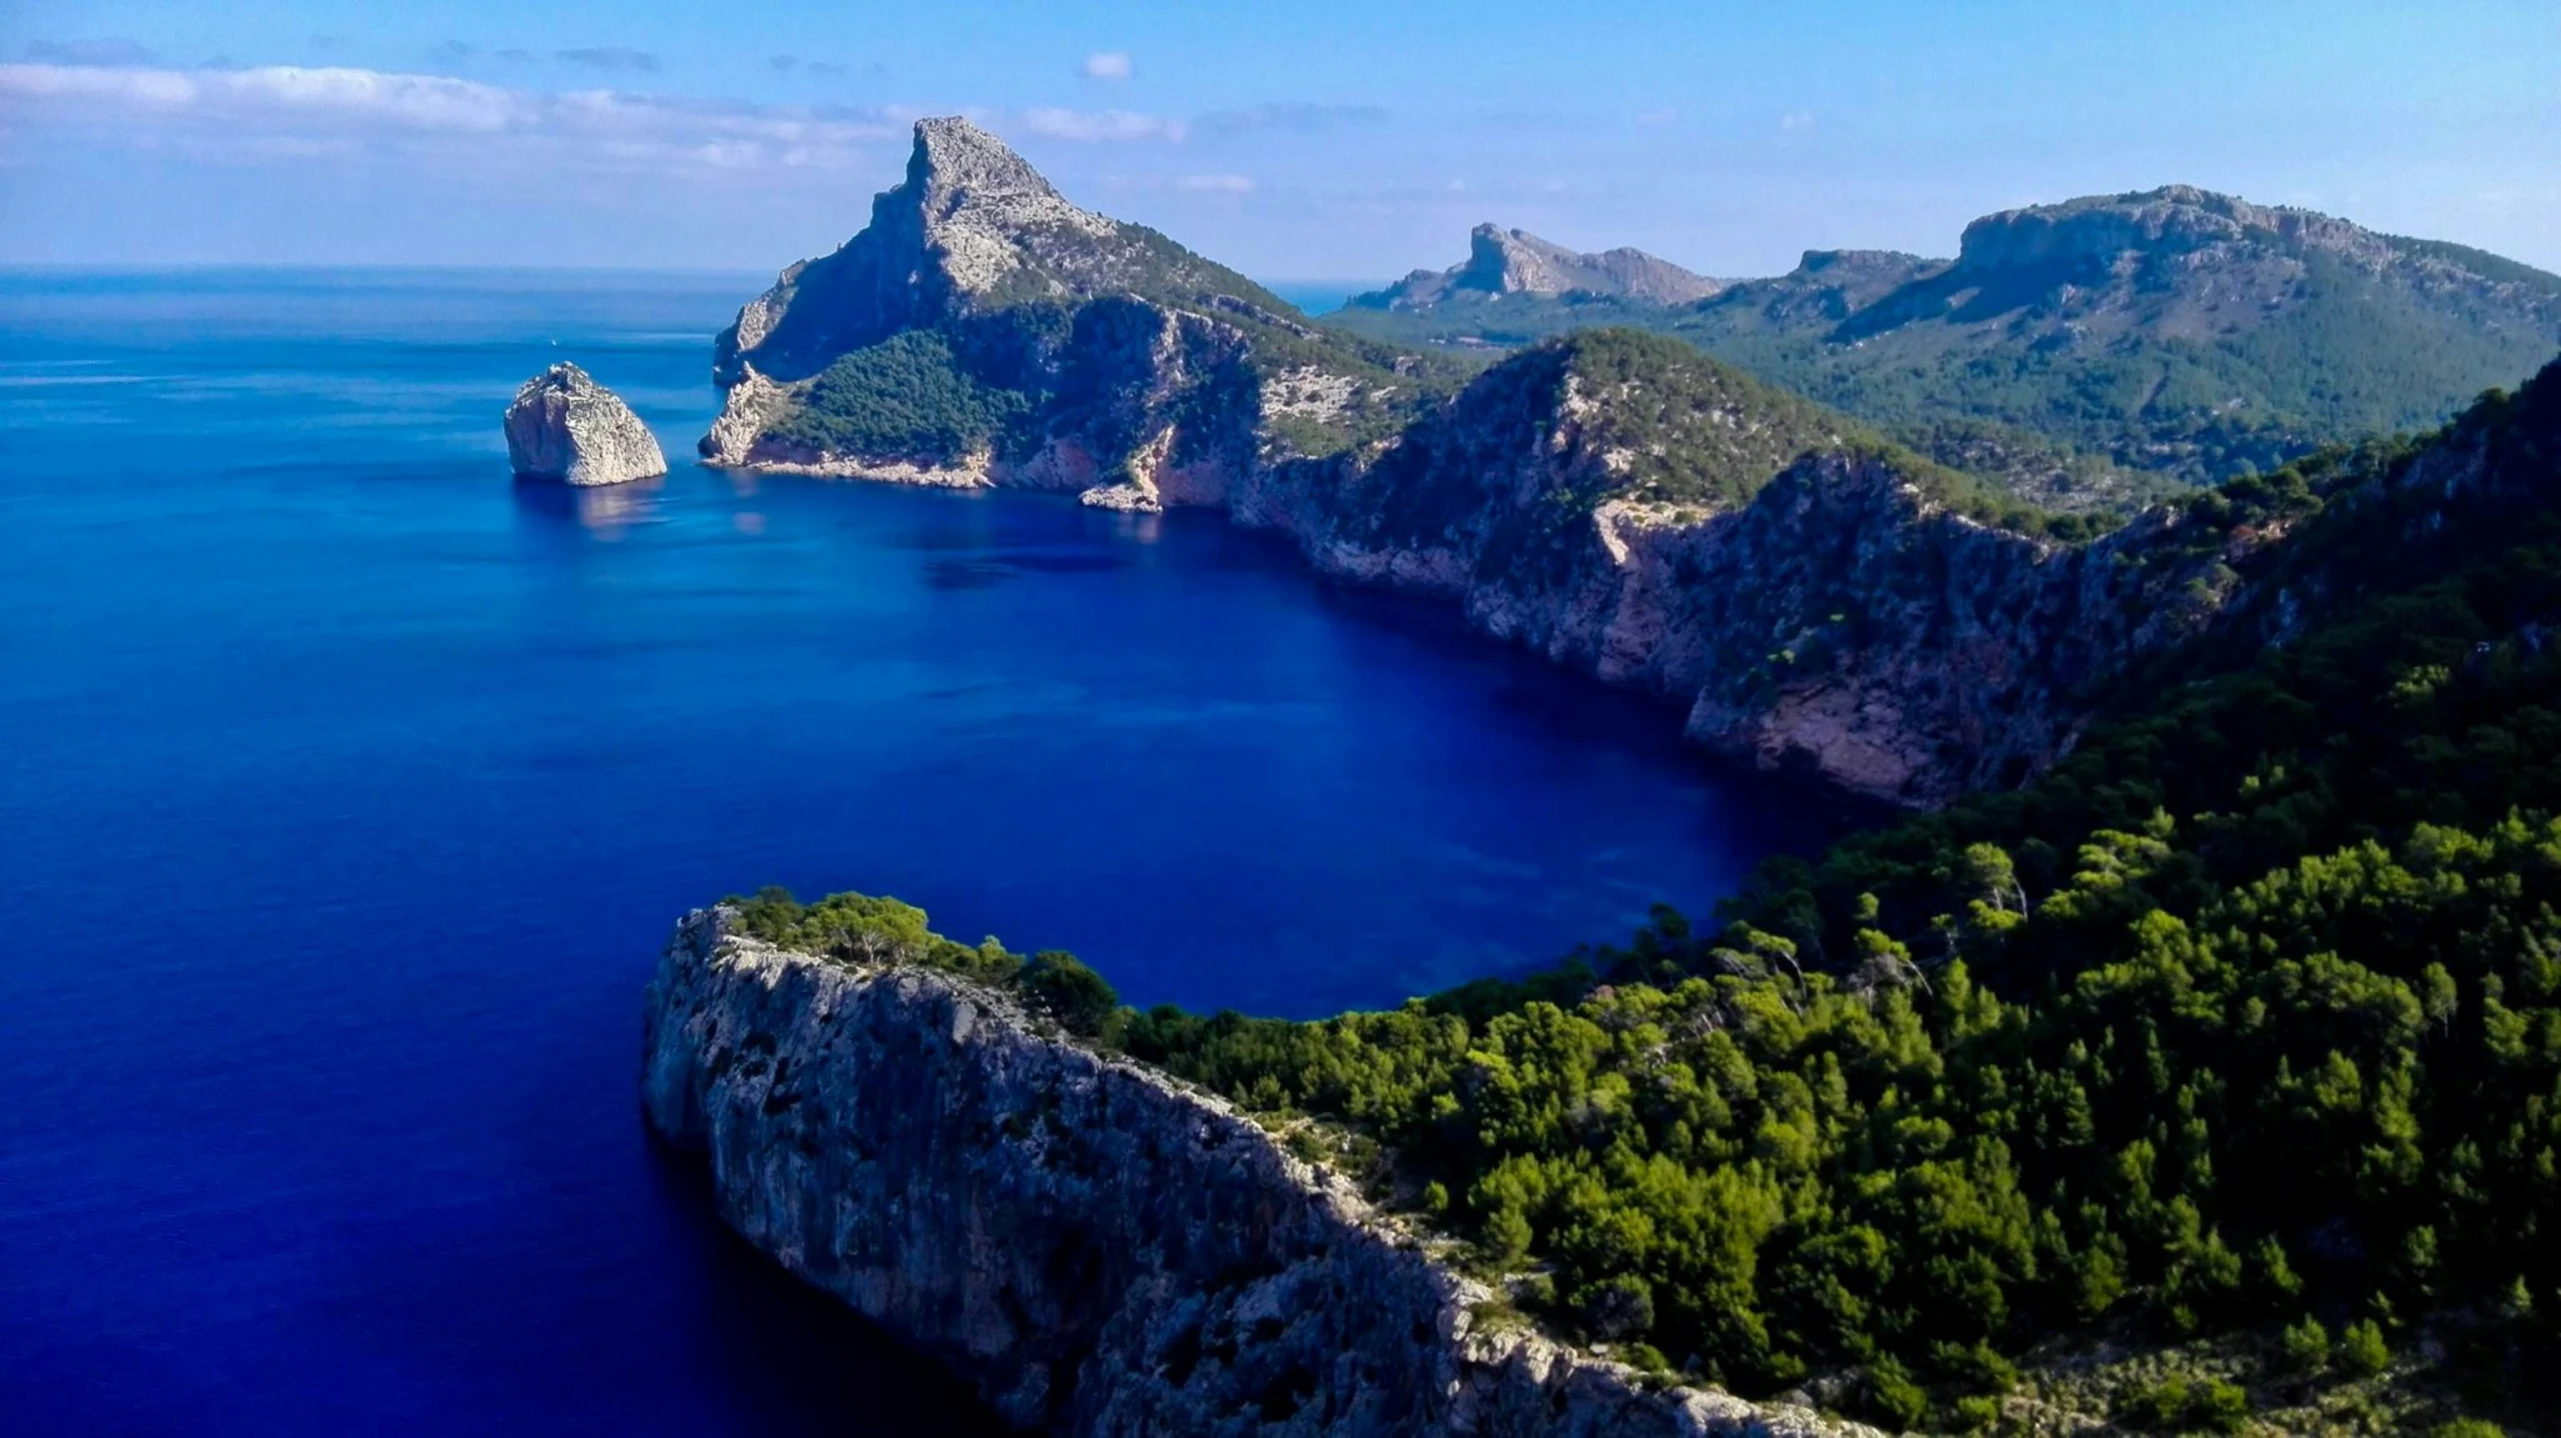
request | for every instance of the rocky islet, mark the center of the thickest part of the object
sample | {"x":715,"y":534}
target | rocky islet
{"x":563,"y":426}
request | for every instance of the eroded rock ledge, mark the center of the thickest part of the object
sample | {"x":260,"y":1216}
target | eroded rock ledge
{"x":1100,"y":1249}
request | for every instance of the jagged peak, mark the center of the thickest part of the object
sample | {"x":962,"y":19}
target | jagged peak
{"x":955,"y":161}
{"x":959,"y":175}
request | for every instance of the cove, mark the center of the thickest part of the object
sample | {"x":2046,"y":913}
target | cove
{"x":349,"y":790}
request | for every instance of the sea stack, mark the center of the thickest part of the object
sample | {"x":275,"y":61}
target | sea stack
{"x":564,"y":426}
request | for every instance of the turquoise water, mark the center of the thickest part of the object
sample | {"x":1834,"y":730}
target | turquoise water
{"x":350,"y":788}
{"x":1319,"y":297}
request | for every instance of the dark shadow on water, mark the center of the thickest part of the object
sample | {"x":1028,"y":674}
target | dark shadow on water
{"x":597,"y":508}
{"x":795,"y":1359}
{"x":1797,"y":812}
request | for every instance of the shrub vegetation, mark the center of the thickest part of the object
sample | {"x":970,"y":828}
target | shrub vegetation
{"x":2244,"y":1018}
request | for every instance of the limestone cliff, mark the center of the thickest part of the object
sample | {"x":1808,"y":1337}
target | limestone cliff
{"x":1616,"y":501}
{"x":564,"y":426}
{"x":1100,"y":1249}
{"x":1813,"y":600}
{"x":1060,"y":349}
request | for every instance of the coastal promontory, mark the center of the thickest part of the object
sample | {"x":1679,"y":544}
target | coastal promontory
{"x":1099,"y":1247}
{"x":564,"y":426}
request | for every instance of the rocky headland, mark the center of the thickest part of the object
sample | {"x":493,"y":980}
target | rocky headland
{"x":1515,"y":262}
{"x":1812,"y":598}
{"x":1102,"y":1249}
{"x":564,"y":426}
{"x":1099,"y":1248}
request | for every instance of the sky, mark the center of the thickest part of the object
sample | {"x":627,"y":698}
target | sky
{"x":1289,"y":139}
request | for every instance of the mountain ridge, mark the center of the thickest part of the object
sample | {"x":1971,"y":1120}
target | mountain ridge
{"x":2175,"y":332}
{"x":1512,"y":261}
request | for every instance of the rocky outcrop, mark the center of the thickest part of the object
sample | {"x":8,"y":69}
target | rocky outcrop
{"x":1812,"y":603}
{"x":1516,"y":262}
{"x":1622,"y":506}
{"x":750,"y":404}
{"x":2183,"y":263}
{"x":1100,"y":1249}
{"x":971,"y":223}
{"x":1145,"y":364}
{"x":564,"y":426}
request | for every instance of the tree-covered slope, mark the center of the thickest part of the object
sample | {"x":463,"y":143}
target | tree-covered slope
{"x":2173,"y":332}
{"x":2238,"y":1033}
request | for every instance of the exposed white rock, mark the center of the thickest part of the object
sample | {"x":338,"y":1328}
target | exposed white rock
{"x":751,"y":403}
{"x":1308,"y":393}
{"x":565,"y":426}
{"x":1100,"y":1249}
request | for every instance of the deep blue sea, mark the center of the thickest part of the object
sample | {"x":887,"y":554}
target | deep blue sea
{"x":347,"y":790}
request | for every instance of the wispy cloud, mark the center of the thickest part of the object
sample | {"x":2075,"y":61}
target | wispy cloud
{"x":116,"y":51}
{"x":618,"y":58}
{"x":1797,"y":120}
{"x":822,"y":68}
{"x":1218,"y":184}
{"x":280,"y":112}
{"x":1095,"y":126}
{"x":1302,"y":116}
{"x":288,"y":93}
{"x":1108,"y":65}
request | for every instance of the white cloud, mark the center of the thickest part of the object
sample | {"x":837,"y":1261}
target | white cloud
{"x":283,"y":112}
{"x":427,"y":102}
{"x":1110,"y":65}
{"x":1218,"y":184}
{"x":1091,"y":126}
{"x":1797,"y":120}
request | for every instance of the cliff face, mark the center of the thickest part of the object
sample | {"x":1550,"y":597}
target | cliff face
{"x":1099,"y":1249}
{"x":1841,"y":616}
{"x":1103,"y":357}
{"x":563,"y":425}
{"x":1615,"y":501}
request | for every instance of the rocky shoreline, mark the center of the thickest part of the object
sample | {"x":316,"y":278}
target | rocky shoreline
{"x":1809,"y":601}
{"x":1098,"y":1248}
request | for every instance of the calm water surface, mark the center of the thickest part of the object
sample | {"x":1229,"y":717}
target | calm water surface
{"x":347,"y":790}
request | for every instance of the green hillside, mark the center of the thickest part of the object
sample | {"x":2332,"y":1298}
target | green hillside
{"x":2208,"y":338}
{"x":2218,"y":1072}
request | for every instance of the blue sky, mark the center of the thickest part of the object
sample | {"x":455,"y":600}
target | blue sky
{"x":1293,"y":140}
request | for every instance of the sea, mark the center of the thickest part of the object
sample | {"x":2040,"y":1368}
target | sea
{"x":348,"y":789}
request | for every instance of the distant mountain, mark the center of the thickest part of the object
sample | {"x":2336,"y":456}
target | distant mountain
{"x":2175,"y":331}
{"x":1516,"y":262}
